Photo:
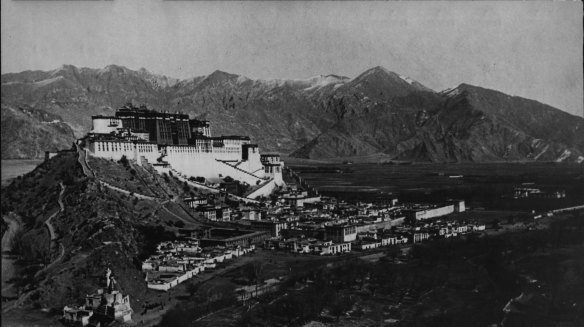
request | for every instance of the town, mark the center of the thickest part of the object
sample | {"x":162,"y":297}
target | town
{"x":303,"y":223}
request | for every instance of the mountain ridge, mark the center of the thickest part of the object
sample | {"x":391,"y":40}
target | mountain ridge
{"x":323,"y":116}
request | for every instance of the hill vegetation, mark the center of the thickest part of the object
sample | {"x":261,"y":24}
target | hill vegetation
{"x":97,"y":227}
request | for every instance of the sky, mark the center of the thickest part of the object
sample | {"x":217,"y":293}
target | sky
{"x":528,"y":49}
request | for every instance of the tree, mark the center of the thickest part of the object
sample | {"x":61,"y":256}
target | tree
{"x":290,"y":306}
{"x":255,"y":272}
{"x":340,"y":305}
{"x":495,"y":224}
{"x":124,"y":161}
{"x":192,"y":288}
{"x":67,"y":178}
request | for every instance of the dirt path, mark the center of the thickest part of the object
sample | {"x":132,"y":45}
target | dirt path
{"x":61,"y":209}
{"x":83,"y":161}
{"x":52,"y":232}
{"x":210,"y":189}
{"x":179,"y":217}
{"x":121,"y":190}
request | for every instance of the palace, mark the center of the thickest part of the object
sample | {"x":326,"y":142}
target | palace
{"x":178,"y":143}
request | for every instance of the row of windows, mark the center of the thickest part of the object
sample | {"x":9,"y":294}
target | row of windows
{"x":270,"y":169}
{"x":110,"y":146}
{"x":227,"y":150}
{"x":188,"y":150}
{"x":203,"y":149}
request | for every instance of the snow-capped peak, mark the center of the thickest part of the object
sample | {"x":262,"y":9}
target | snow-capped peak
{"x":406,"y":79}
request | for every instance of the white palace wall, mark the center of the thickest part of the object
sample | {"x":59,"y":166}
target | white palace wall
{"x":253,"y":163}
{"x":193,"y":161}
{"x":116,"y":149}
{"x":190,"y":160}
{"x":106,"y":125}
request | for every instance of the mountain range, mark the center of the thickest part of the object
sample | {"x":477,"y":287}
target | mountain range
{"x":378,"y":113}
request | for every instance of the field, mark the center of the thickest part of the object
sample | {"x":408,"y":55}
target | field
{"x":480,"y":185}
{"x":13,"y":168}
{"x":452,"y":282}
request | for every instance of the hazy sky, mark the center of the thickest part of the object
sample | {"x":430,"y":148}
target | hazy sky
{"x":530,"y":49}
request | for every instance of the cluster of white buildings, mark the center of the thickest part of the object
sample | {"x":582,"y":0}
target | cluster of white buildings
{"x":178,"y":261}
{"x":327,"y":226}
{"x":536,"y":193}
{"x":307,"y":246}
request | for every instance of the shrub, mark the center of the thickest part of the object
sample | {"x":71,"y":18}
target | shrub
{"x":124,"y":161}
{"x":179,"y":224}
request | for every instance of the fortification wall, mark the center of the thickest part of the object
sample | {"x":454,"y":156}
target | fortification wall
{"x":116,"y":149}
{"x":264,"y":191}
{"x":253,"y":163}
{"x":190,"y":160}
{"x":275,"y":173}
{"x":435,"y":212}
{"x":194,"y":161}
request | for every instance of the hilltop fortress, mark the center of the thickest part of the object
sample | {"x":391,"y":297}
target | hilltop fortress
{"x":174,"y":141}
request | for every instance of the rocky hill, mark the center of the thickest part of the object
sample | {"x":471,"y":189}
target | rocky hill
{"x":28,"y":132}
{"x":378,"y":112}
{"x":73,"y":226}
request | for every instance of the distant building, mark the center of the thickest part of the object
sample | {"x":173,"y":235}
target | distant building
{"x":232,"y":237}
{"x":330,"y":248}
{"x":299,"y":198}
{"x":274,"y":227}
{"x":340,"y":233}
{"x":208,"y":212}
{"x":223,"y":213}
{"x":194,"y":202}
{"x":427,"y":213}
{"x":458,"y":205}
{"x":535,"y":193}
{"x":251,"y":214}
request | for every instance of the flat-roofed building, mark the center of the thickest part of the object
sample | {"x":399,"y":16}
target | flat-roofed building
{"x":274,"y":227}
{"x":340,"y":233}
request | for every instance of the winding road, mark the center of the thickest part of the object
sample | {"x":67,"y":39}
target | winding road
{"x":83,"y":161}
{"x":53,"y":234}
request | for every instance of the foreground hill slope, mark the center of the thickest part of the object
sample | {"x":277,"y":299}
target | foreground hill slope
{"x":73,"y":226}
{"x":379,"y":112}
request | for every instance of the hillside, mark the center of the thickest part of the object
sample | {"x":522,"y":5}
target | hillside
{"x":73,"y":226}
{"x":466,"y":124}
{"x":28,"y":132}
{"x":378,"y":113}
